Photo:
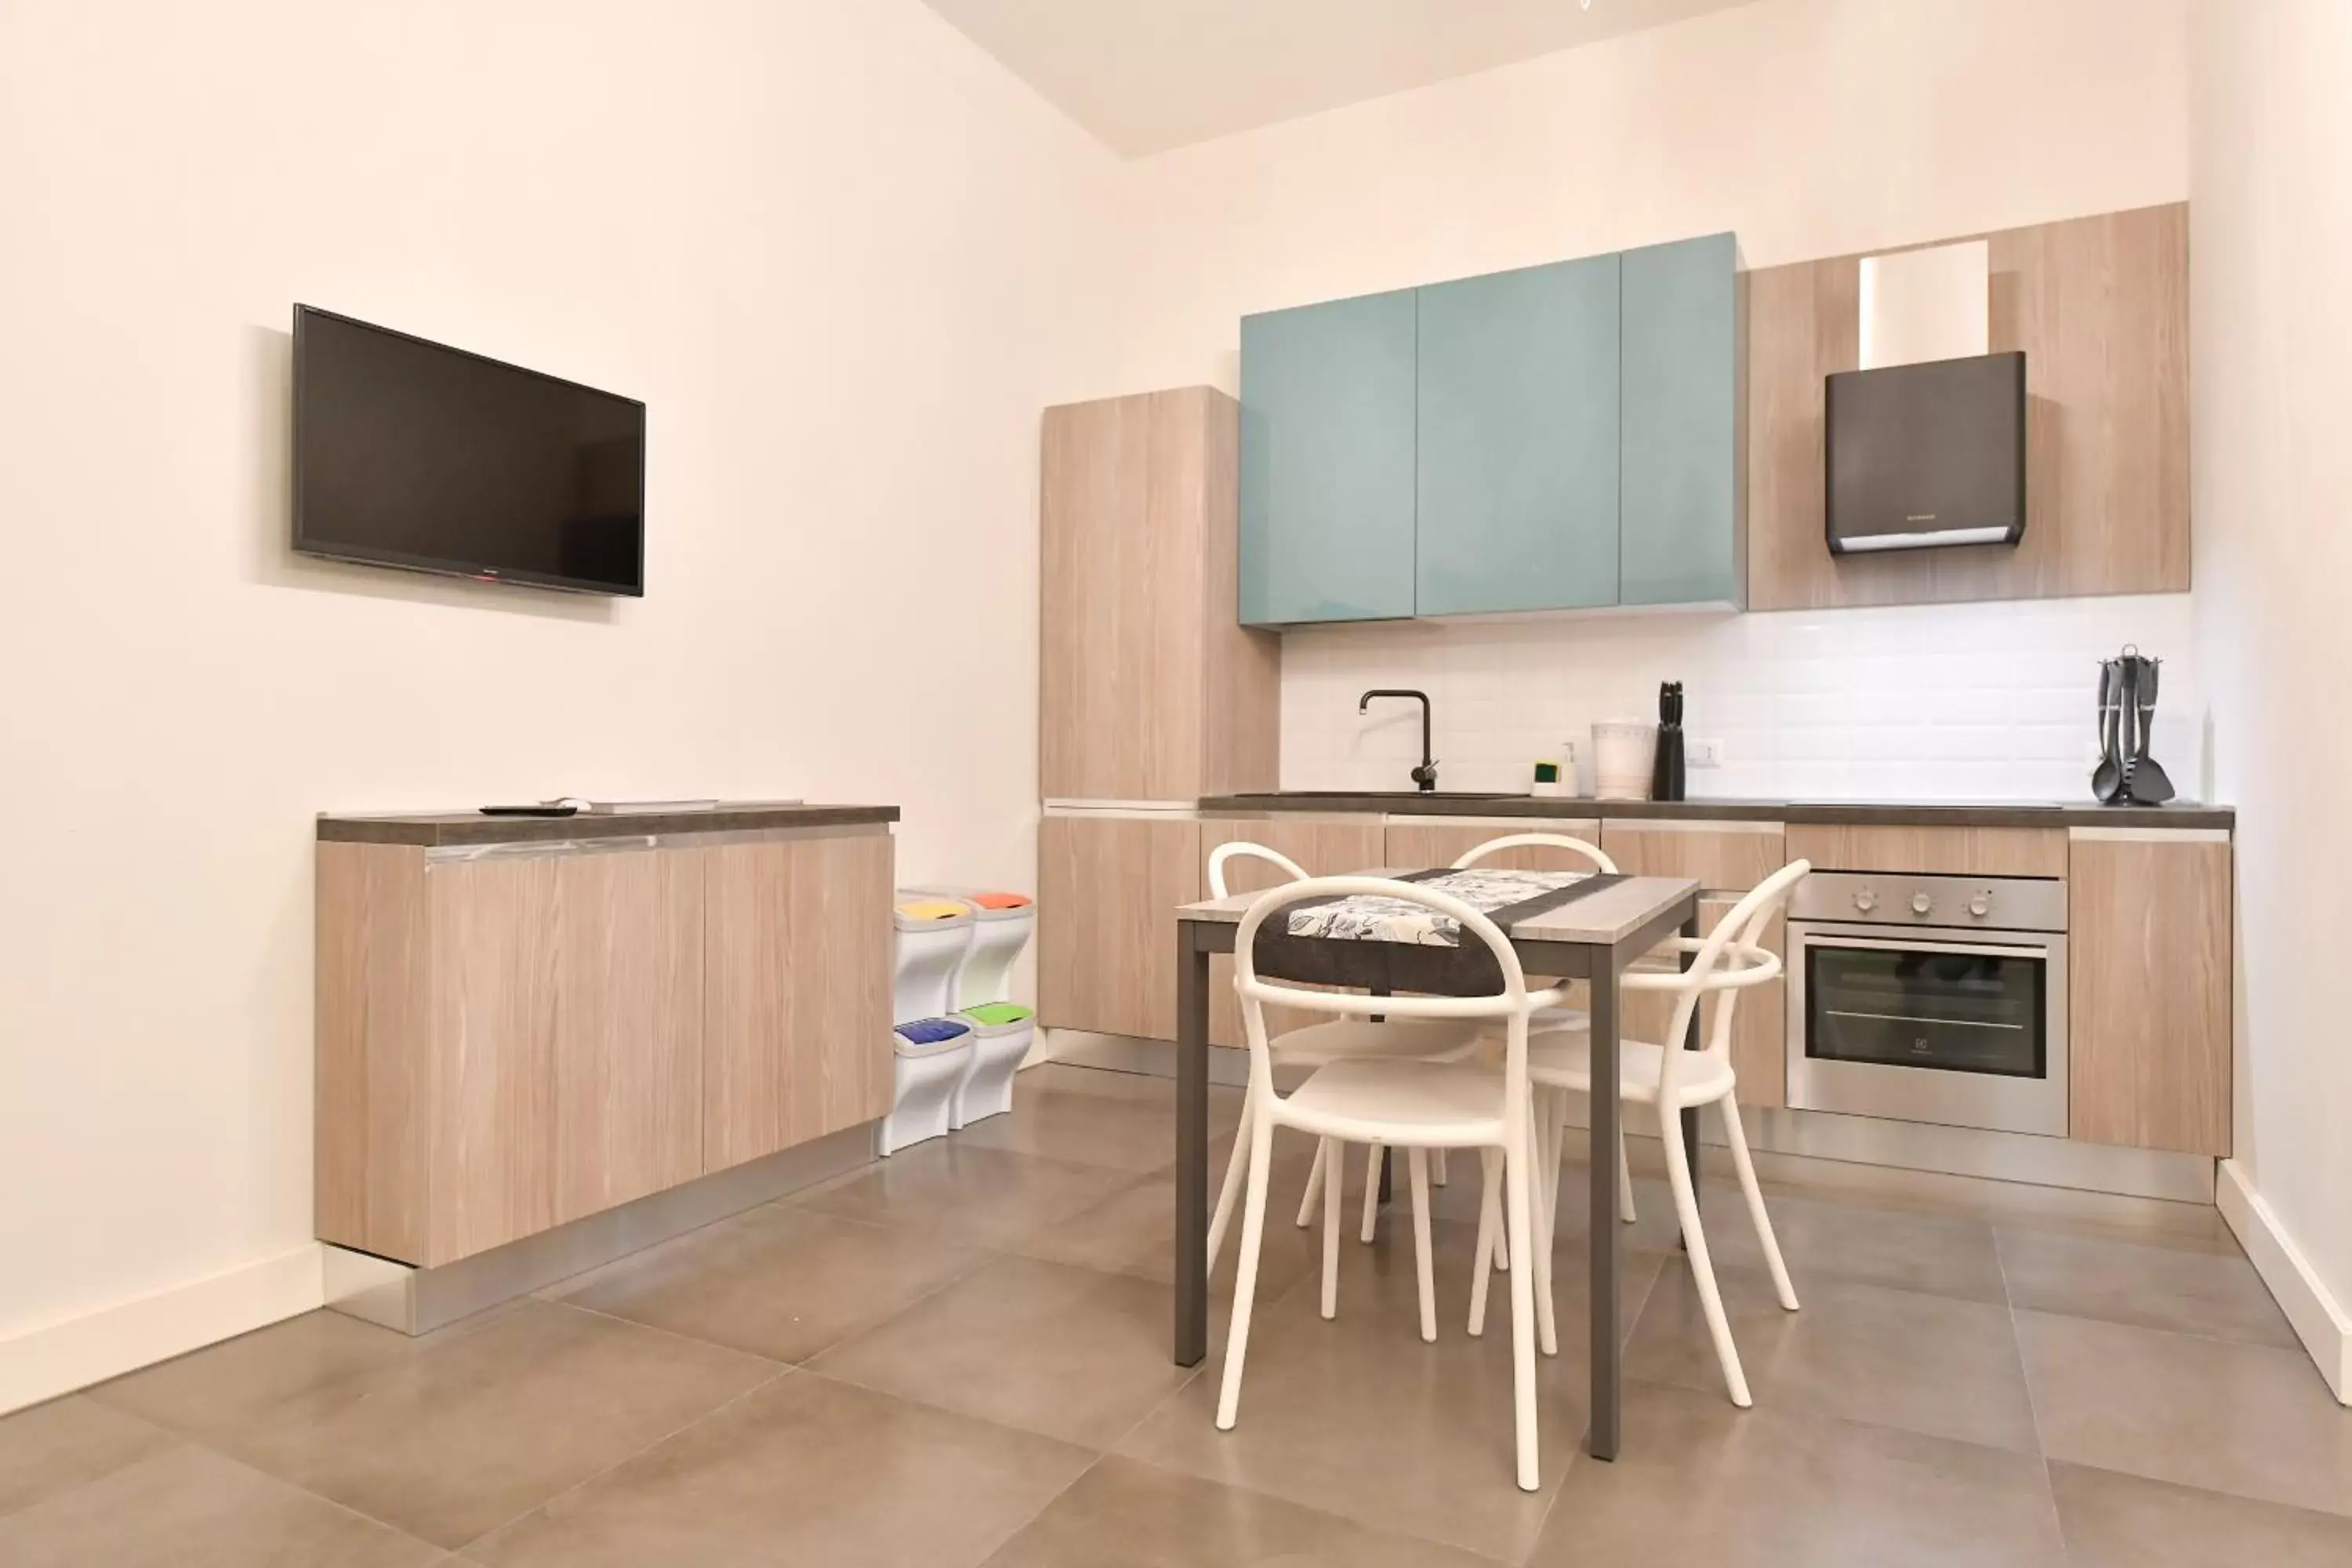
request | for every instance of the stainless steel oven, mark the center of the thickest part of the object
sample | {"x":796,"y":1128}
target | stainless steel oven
{"x":1937,"y":999}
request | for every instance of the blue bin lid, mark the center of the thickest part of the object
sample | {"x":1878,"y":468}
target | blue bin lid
{"x":931,"y":1031}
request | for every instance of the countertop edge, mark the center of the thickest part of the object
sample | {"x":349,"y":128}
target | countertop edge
{"x":436,"y":830}
{"x":1988,"y":813}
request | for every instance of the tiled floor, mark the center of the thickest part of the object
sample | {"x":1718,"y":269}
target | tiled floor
{"x":960,"y":1357}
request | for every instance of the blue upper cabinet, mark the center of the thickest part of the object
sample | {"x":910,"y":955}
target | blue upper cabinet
{"x":1518,"y":412}
{"x":1326,"y":462}
{"x":1681,"y":486}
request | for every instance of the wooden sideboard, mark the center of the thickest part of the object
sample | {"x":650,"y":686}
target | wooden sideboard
{"x":525,"y":1021}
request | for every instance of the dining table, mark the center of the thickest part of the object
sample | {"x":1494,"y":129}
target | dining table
{"x":1593,"y":931}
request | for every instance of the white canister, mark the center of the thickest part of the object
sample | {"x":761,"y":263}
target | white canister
{"x":1623,"y":751}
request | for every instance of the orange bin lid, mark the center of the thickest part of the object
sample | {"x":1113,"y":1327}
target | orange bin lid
{"x":1001,"y":900}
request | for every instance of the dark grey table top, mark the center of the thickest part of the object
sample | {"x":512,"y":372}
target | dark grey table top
{"x":447,"y":827}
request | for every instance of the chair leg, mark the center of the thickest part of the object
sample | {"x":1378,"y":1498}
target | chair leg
{"x":1490,"y":1216}
{"x":1372,"y":1192}
{"x":1516,"y":1182}
{"x":1324,"y":1153}
{"x":1333,"y":1219}
{"x":1236,"y":1170}
{"x":1437,"y":1167}
{"x":1417,"y":1161}
{"x":1625,"y":1178}
{"x":1544,"y":1174}
{"x":1710,"y":1300}
{"x":1229,"y":1396}
{"x":1764,"y":1236}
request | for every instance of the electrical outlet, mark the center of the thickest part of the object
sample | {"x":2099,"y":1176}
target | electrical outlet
{"x":1700,"y":753}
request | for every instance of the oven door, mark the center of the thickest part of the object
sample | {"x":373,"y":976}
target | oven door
{"x":1962,"y":1028}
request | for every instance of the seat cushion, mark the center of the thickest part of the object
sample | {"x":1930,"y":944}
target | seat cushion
{"x":1345,"y":1039}
{"x":1400,"y":1101}
{"x":1563,"y":1060}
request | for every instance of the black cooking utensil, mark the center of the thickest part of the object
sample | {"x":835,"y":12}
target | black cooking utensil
{"x":2149,"y":783}
{"x":2107,"y":778}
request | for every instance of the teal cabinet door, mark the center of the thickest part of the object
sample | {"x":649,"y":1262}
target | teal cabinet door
{"x":1326,"y":462}
{"x":1682,"y":488}
{"x":1518,"y":420}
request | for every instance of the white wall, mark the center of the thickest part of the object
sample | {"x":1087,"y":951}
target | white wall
{"x":1810,"y":127}
{"x":844,"y":256}
{"x":2270,"y":229}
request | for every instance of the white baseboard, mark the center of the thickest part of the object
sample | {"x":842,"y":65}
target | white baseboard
{"x":42,"y":1363}
{"x":2320,"y":1319}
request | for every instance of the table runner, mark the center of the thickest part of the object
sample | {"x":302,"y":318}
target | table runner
{"x":1386,"y":943}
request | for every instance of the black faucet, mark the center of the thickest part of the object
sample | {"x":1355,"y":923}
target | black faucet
{"x":1425,"y":776}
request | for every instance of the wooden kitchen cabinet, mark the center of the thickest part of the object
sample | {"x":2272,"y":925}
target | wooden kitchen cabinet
{"x":1150,"y":689}
{"x":1727,"y":860}
{"x":507,"y":1041}
{"x":1931,"y":851}
{"x":1681,"y":517}
{"x":1107,"y":888}
{"x":796,"y":1011}
{"x":2149,"y":1009}
{"x":1414,"y":843}
{"x":1324,"y":846}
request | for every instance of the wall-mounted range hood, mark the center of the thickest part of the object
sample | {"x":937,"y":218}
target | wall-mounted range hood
{"x":1925,"y":443}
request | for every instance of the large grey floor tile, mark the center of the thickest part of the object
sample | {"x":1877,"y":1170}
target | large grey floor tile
{"x":2246,"y":1419}
{"x":1133,"y":1231}
{"x":1926,"y":1364}
{"x":56,"y":1447}
{"x":806,"y":1471}
{"x":960,"y":1192}
{"x":1943,"y":1255}
{"x":1125,"y":1121}
{"x":1139,"y":1516}
{"x":189,"y":1507}
{"x":1071,"y":1352}
{"x":780,"y":1282}
{"x":2121,"y":1521}
{"x":449,"y":1443}
{"x":1361,"y":1418}
{"x":2188,"y":1289}
{"x":1698,"y":1481}
{"x":225,"y":1386}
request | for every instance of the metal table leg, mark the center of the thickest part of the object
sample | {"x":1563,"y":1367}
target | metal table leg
{"x":1192,"y":1260}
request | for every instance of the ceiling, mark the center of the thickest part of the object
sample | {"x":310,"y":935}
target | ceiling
{"x":1149,"y":75}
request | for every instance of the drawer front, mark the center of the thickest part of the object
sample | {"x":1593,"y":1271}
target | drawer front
{"x":1933,"y":851}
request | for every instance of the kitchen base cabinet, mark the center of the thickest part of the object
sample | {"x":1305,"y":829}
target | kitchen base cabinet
{"x":1325,"y":847}
{"x":508,"y":1041}
{"x":1727,"y":860}
{"x":1424,"y":841}
{"x":2149,"y":999}
{"x":1107,"y":887}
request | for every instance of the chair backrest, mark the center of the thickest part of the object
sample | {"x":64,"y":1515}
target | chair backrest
{"x":1601,"y":862}
{"x":1512,"y":1004}
{"x":1728,"y":960}
{"x":1240,"y":849}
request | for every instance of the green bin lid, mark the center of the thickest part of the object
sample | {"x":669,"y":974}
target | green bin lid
{"x":999,"y":1013}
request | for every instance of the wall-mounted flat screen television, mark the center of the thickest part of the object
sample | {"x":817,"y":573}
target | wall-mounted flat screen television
{"x":410,"y":454}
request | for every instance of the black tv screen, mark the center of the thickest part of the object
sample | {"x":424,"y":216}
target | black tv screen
{"x":410,"y":454}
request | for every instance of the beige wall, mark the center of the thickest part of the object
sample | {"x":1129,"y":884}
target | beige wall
{"x":1809,"y":127}
{"x":2270,"y":226}
{"x":843,"y":256}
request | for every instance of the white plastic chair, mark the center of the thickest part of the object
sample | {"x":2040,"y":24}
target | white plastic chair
{"x":1728,"y":960}
{"x":1412,"y":1105}
{"x":1552,"y":1018}
{"x":1313,"y":1049}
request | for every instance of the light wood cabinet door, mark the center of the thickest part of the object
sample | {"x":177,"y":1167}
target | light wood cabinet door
{"x":495,"y":979}
{"x":1932,"y":851}
{"x":1107,"y":888}
{"x":373,"y":1050}
{"x":628,"y":1061}
{"x":796,"y":1011}
{"x":1727,"y":860}
{"x":2149,"y":984}
{"x":1325,"y":847}
{"x":1417,"y":843}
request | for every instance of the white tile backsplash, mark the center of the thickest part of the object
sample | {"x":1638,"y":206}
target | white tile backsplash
{"x":1991,"y":701}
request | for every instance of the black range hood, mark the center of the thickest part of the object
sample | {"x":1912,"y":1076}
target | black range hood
{"x":1925,"y":456}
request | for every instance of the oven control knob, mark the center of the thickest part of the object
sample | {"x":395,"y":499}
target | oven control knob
{"x":1980,"y":906}
{"x":1921,"y":903}
{"x":1865,"y":900}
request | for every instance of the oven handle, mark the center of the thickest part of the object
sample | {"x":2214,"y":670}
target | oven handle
{"x":1808,"y":934}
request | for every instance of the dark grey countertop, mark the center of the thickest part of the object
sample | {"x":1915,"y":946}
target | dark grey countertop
{"x":1934,"y":814}
{"x":445,"y":827}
